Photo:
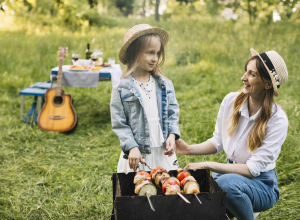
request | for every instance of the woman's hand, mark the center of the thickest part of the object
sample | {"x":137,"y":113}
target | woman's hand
{"x":170,"y":145}
{"x":197,"y":166}
{"x":134,"y":157}
{"x":181,"y":147}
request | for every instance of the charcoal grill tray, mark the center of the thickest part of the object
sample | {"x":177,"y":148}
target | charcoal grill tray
{"x":128,"y":205}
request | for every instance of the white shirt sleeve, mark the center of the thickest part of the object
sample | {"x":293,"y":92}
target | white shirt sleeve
{"x":216,"y":140}
{"x":270,"y":148}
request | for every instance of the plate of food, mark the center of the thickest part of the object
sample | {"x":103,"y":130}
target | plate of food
{"x":96,"y":68}
{"x":79,"y":68}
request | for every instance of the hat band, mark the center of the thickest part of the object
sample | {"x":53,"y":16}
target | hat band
{"x":270,"y":66}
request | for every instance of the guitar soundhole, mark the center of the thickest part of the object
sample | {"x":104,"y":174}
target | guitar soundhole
{"x":58,"y":100}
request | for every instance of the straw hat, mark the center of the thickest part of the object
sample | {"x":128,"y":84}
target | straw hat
{"x":276,"y":68}
{"x":137,"y":31}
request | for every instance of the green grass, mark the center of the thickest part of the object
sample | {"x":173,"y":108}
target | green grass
{"x":69,"y":175}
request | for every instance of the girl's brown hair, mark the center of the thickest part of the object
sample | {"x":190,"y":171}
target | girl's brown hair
{"x":257,"y":134}
{"x":134,"y":51}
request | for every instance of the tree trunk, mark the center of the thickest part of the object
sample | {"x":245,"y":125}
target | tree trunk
{"x":249,"y":12}
{"x":156,"y":10}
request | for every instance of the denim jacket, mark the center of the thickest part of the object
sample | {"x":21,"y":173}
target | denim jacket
{"x":129,"y":120}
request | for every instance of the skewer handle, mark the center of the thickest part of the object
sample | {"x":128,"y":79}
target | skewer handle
{"x":187,"y":201}
{"x":198,"y":198}
{"x":148,"y":197}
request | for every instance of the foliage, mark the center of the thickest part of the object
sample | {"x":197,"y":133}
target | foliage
{"x":69,"y":176}
{"x":73,"y":14}
{"x":77,"y":14}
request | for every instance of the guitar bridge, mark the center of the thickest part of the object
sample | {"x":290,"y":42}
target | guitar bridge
{"x":57,"y":117}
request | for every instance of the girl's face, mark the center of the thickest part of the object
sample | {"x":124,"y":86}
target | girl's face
{"x":254,"y":86}
{"x":149,"y":58}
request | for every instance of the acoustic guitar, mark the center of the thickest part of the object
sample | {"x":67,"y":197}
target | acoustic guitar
{"x":58,"y":113}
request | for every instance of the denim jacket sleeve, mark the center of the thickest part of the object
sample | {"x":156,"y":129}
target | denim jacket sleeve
{"x":173,"y":114}
{"x":119,"y":122}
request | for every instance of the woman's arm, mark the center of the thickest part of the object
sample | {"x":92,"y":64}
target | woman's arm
{"x":241,"y":169}
{"x":204,"y":148}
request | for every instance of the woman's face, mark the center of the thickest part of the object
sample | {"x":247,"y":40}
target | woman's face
{"x":150,"y":56}
{"x":253,"y":84}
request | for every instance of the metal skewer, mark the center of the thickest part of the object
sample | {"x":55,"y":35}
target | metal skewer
{"x":148,"y":197}
{"x":227,"y":216}
{"x":187,"y":201}
{"x":198,"y":198}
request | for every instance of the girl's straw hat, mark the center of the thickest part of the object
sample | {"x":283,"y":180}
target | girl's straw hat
{"x":276,"y":68}
{"x":137,"y":31}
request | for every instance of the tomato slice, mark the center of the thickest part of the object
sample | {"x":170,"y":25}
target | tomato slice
{"x":183,"y":174}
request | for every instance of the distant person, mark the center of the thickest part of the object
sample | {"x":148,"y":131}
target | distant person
{"x":144,"y":110}
{"x":251,"y":129}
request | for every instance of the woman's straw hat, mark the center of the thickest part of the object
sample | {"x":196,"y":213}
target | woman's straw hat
{"x":137,"y":31}
{"x":276,"y":68}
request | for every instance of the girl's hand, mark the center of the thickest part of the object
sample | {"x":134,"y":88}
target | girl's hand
{"x":196,"y":166}
{"x":134,"y":157}
{"x":181,"y":147}
{"x":170,"y":145}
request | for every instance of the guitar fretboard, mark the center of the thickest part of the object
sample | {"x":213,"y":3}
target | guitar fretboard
{"x":59,"y":78}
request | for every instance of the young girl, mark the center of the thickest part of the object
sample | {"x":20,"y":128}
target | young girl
{"x":144,"y":110}
{"x":251,"y":128}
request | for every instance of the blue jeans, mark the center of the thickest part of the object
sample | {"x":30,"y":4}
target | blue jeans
{"x":246,"y":196}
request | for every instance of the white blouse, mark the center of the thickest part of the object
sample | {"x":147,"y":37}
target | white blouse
{"x":148,"y":94}
{"x":265,"y":156}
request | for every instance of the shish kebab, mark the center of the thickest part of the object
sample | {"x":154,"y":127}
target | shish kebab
{"x":161,"y":177}
{"x":170,"y":185}
{"x":144,"y":186}
{"x":188,"y":183}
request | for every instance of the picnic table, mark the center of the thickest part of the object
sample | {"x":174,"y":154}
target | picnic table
{"x":87,"y":78}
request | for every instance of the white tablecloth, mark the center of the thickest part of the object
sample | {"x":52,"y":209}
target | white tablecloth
{"x":88,"y":78}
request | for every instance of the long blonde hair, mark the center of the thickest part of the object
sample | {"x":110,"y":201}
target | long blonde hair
{"x":257,"y":134}
{"x":135,"y":50}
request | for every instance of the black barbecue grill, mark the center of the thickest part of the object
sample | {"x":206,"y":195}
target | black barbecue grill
{"x":129,"y":206}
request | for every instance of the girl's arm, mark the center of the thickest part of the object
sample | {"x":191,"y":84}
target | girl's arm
{"x":173,"y":114}
{"x":124,"y":132}
{"x":119,"y":122}
{"x":241,"y":169}
{"x":173,"y":119}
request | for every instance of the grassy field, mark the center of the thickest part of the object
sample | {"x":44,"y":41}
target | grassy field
{"x":69,"y":175}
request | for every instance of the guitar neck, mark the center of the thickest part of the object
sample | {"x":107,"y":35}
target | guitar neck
{"x":59,"y":78}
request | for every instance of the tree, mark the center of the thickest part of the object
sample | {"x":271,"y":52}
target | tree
{"x":157,"y":10}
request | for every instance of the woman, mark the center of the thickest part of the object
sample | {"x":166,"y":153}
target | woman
{"x":251,"y":129}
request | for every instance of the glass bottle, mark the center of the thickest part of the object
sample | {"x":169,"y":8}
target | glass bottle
{"x":88,"y":52}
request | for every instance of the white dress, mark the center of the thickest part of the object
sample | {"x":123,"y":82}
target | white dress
{"x":157,"y":157}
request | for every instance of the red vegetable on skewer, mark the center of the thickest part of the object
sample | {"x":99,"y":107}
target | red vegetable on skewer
{"x":182,"y":174}
{"x":139,"y":175}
